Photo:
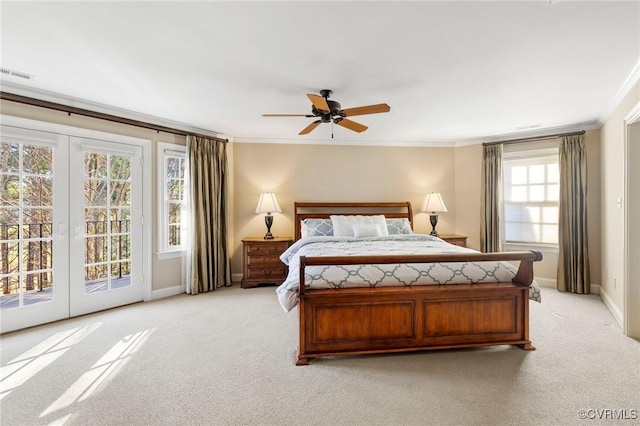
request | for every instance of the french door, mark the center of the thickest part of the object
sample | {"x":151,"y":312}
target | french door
{"x":34,"y":210}
{"x":105,"y":218}
{"x":70,"y":226}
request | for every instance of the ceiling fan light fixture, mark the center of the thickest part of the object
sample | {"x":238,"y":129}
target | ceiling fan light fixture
{"x":330,"y":111}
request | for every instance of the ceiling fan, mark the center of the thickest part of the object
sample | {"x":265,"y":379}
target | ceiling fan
{"x":329,"y":111}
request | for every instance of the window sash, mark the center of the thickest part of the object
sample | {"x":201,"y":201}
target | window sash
{"x":171,"y":200}
{"x":531,"y":196}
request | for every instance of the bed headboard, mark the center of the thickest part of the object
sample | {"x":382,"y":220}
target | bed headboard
{"x":323,"y":210}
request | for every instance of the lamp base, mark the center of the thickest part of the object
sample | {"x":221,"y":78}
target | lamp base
{"x":268,"y":220}
{"x":433,"y":218}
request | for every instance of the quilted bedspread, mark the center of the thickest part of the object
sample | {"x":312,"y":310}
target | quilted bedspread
{"x":342,"y":276}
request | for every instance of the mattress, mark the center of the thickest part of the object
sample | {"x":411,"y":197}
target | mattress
{"x":374,"y":275}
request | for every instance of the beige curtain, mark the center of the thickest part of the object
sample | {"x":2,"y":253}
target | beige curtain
{"x":491,"y":199}
{"x":208,"y":265}
{"x":573,"y":256}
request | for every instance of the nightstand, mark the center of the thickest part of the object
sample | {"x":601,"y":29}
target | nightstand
{"x":456,"y":240}
{"x":261,"y":261}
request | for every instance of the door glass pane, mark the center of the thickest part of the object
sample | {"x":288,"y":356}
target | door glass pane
{"x":37,"y":190}
{"x":95,"y":192}
{"x":120,"y":274}
{"x":95,"y":221}
{"x":10,"y":260}
{"x":10,"y":154}
{"x":36,"y":256}
{"x":121,"y":194}
{"x":95,"y":165}
{"x":26,"y":231}
{"x":9,"y":223}
{"x":120,"y":167}
{"x":10,"y":190}
{"x":37,"y":223}
{"x":37,"y":160}
{"x":107,"y":222}
{"x":95,"y":278}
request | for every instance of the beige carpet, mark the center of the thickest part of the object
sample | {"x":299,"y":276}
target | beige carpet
{"x":228,"y":358}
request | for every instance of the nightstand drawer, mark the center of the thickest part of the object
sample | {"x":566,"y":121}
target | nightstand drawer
{"x":456,"y":240}
{"x":260,"y":259}
{"x":267,"y":273}
{"x":267,"y":248}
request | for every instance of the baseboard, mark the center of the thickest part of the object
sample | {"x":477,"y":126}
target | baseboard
{"x":546,"y":282}
{"x":166,"y":292}
{"x":236,"y":278}
{"x":552,"y":283}
{"x":615,"y":311}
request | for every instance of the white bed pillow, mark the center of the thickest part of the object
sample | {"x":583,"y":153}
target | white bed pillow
{"x":343,"y":225}
{"x":361,"y":230}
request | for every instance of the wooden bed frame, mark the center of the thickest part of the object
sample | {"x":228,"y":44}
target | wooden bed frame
{"x":351,"y":321}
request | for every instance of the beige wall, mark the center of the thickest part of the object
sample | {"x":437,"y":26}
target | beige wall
{"x":337,"y":173}
{"x":594,"y":200}
{"x":467,"y":177}
{"x":613,"y":184}
{"x":166,"y":273}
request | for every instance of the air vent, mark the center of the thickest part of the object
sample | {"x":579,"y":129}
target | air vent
{"x":18,"y":74}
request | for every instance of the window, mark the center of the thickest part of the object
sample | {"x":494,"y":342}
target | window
{"x":171,"y":200}
{"x":531,"y":194}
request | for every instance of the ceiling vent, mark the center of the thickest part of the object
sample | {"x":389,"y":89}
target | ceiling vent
{"x":18,"y":74}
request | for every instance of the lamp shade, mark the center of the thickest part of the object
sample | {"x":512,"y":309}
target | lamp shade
{"x":268,"y":203}
{"x":433,"y":203}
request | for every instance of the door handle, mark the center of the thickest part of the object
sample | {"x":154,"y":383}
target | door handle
{"x":62,"y":230}
{"x":77,"y":230}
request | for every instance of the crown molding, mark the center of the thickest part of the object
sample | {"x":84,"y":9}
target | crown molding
{"x":570,"y":128}
{"x":540,"y":132}
{"x":629,"y":83}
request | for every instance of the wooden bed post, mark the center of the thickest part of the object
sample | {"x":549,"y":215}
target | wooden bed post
{"x":524,"y":276}
{"x":303,"y":264}
{"x":300,"y":358}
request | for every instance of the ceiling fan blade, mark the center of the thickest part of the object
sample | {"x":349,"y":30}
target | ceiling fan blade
{"x":369,"y":109}
{"x":287,"y":115}
{"x":351,"y":125}
{"x":310,"y":127}
{"x":319,"y":102}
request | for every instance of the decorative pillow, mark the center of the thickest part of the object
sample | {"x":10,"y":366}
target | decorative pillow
{"x":361,"y":230}
{"x":343,"y":225}
{"x":316,"y":228}
{"x":399,"y":226}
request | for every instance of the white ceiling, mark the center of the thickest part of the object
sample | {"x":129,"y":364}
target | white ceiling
{"x":452,"y":72}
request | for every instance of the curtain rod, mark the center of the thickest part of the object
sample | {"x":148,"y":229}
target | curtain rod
{"x":99,"y":115}
{"x":534,"y":138}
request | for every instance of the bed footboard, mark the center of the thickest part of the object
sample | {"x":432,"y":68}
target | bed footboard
{"x":399,"y":319}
